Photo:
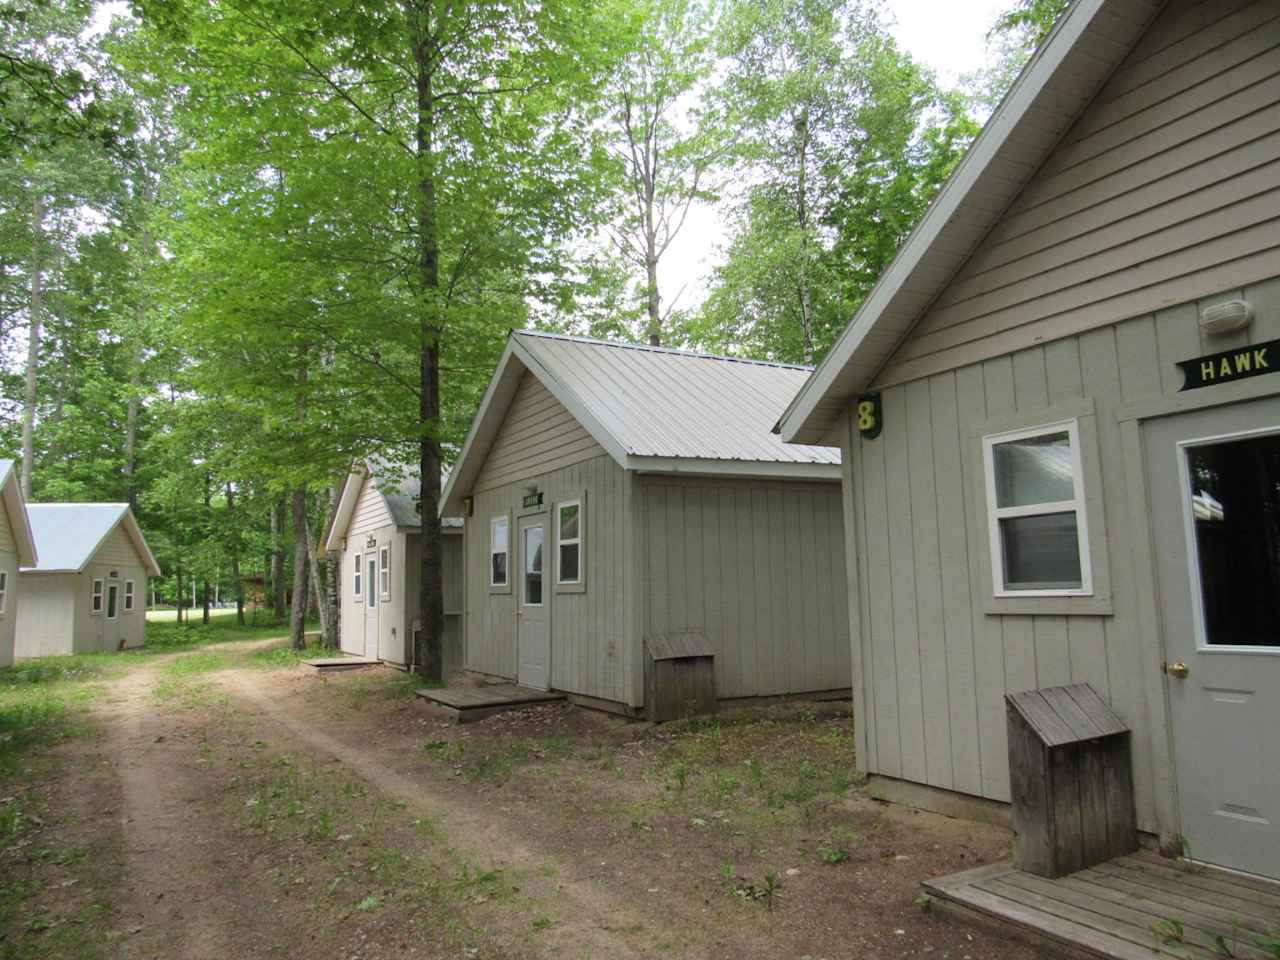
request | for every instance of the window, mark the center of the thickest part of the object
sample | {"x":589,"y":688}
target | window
{"x":1035,"y":501}
{"x":97,"y":596}
{"x":498,"y":552}
{"x":384,"y":572}
{"x":569,"y":541}
{"x":533,"y":566}
{"x":113,"y":594}
{"x":4,"y":589}
{"x":128,"y":596}
{"x":355,"y":582}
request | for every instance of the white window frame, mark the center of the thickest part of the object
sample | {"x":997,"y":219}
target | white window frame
{"x":113,"y":616}
{"x":4,"y":591}
{"x":505,"y":521}
{"x":128,"y":596}
{"x":356,"y":583}
{"x":98,"y":600}
{"x":560,"y":580}
{"x":384,"y":573}
{"x":1076,"y":505}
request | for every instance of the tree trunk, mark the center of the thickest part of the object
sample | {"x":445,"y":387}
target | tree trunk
{"x":429,"y":642}
{"x":277,"y":559}
{"x":298,"y":621}
{"x":655,"y":310}
{"x":323,"y":609}
{"x":332,"y":576}
{"x":804,"y":287}
{"x":177,"y":602}
{"x":35,"y":330}
{"x":236,"y":546}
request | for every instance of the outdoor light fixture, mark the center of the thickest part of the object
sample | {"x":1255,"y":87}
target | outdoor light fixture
{"x":1226,"y":316}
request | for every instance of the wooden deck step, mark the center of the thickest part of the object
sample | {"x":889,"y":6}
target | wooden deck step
{"x":1133,"y":907}
{"x":340,"y":664}
{"x":468,"y":704}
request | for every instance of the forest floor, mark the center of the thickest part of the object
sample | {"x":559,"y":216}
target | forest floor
{"x":227,"y":802}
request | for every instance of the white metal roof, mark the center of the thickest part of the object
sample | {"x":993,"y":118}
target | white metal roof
{"x":67,"y":535}
{"x":654,"y":409}
{"x":1089,"y":42}
{"x":15,"y":508}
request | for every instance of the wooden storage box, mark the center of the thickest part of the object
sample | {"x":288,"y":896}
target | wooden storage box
{"x":1071,"y":780}
{"x":679,"y":676}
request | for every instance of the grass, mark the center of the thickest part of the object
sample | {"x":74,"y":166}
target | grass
{"x":166,"y":636}
{"x":284,"y":658}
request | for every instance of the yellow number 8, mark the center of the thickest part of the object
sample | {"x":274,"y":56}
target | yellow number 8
{"x":866,"y":415}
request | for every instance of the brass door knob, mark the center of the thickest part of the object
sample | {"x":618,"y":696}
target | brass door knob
{"x":1178,"y":670}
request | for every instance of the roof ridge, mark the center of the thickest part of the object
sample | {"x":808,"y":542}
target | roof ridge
{"x":648,"y":348}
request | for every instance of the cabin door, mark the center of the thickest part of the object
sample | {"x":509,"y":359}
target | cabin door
{"x":533,"y":626}
{"x":371,"y":606}
{"x":1214,"y":480}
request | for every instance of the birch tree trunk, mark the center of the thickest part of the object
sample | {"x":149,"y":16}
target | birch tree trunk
{"x":277,"y":559}
{"x":333,"y":577}
{"x":35,"y":317}
{"x":323,"y":608}
{"x":298,"y":611}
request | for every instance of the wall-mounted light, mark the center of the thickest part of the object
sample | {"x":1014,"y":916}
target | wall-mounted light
{"x":1227,"y":316}
{"x":468,"y":506}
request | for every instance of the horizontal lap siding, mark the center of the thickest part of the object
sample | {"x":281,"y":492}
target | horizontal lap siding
{"x":589,"y":654}
{"x":1167,"y":189}
{"x":537,"y":435}
{"x":371,"y":511}
{"x":117,"y":549}
{"x":6,"y":534}
{"x":759,"y":568}
{"x":935,"y":666}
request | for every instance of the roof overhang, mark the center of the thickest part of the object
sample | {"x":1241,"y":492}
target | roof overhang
{"x":742,"y":469}
{"x":134,"y":533}
{"x":1089,"y":41}
{"x":341,"y":519}
{"x":15,"y":508}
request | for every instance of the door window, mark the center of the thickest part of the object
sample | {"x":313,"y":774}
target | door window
{"x":370,"y":593}
{"x":113,"y":593}
{"x":533,"y":537}
{"x":1233,"y":491}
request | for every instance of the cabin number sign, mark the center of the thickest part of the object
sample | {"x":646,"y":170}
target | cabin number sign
{"x":867,"y":415}
{"x":533,"y":499}
{"x":1214,"y":368}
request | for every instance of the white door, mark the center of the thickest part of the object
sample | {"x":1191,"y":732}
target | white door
{"x":1214,"y":478}
{"x":533,"y":605}
{"x":371,"y":606}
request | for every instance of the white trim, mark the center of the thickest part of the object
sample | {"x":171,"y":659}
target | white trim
{"x":384,"y":572}
{"x":4,"y":590}
{"x":570,"y":542}
{"x":1193,"y":544}
{"x":524,"y":572}
{"x":129,"y":596}
{"x":506,"y":524}
{"x":114,"y":587}
{"x":758,"y":469}
{"x":357,"y":591}
{"x":1076,"y":506}
{"x":98,"y":599}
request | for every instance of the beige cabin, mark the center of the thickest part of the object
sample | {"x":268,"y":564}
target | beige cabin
{"x":1060,"y":420}
{"x":620,"y":496}
{"x":377,"y":528}
{"x":87,"y":592}
{"x":17,"y":549}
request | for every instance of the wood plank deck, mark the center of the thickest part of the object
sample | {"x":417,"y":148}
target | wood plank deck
{"x":1131,"y":908}
{"x":467,"y":704}
{"x":337,"y":664}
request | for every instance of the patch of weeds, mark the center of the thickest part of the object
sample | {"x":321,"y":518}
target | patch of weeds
{"x":369,"y":903}
{"x":680,"y":774}
{"x":1168,"y":932}
{"x":832,"y":855}
{"x":489,"y":768}
{"x":718,"y":787}
{"x":765,"y":892}
{"x":1270,"y":945}
{"x":286,"y":658}
{"x":556,"y":748}
{"x":40,"y":701}
{"x":755,"y":773}
{"x":193,"y":664}
{"x":185,"y":692}
{"x":542,"y":923}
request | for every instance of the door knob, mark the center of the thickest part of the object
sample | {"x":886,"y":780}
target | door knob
{"x":1177,"y":670}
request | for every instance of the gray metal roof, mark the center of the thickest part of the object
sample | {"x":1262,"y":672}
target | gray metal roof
{"x":1053,"y":90}
{"x":400,"y":489}
{"x":654,"y":409}
{"x":67,"y":535}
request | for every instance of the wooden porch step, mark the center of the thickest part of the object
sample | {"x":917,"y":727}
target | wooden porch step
{"x":1131,"y":908}
{"x":468,"y":704}
{"x":340,"y":664}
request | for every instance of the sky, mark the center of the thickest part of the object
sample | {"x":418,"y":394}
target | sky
{"x":947,"y":35}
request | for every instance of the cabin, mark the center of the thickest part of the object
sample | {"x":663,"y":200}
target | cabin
{"x":1059,"y":416}
{"x":377,"y":528}
{"x":17,"y":549}
{"x":87,"y":591}
{"x":628,"y":505}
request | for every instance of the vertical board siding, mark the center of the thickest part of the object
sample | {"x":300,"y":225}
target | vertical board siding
{"x":46,"y":614}
{"x":1166,"y":189}
{"x":589,"y":646}
{"x":936,"y":665}
{"x":759,"y":568}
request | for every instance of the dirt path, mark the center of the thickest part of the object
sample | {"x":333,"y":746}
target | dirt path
{"x":589,"y":920}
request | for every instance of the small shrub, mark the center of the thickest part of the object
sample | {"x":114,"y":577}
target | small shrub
{"x":832,"y":855}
